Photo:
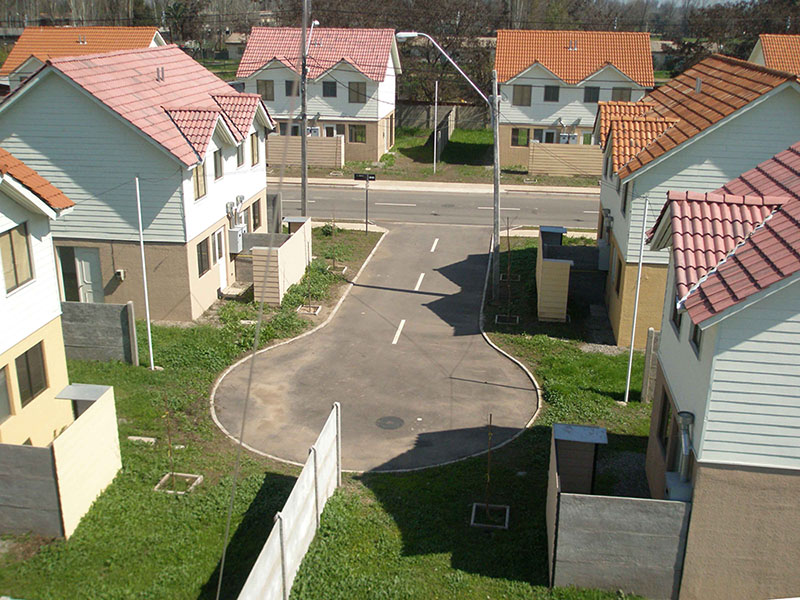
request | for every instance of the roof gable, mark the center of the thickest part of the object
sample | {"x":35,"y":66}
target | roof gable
{"x":781,"y":52}
{"x":631,"y":134}
{"x":33,"y":182}
{"x":574,"y":55}
{"x":178,"y":110}
{"x":727,"y":85}
{"x":368,"y":50}
{"x":53,"y":42}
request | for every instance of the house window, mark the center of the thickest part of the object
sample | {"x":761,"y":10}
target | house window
{"x":340,"y":129}
{"x":607,"y":164}
{"x":16,"y":256}
{"x":246,"y":220}
{"x":295,"y":130}
{"x":329,"y":89}
{"x":538,"y":135}
{"x":550,"y":137}
{"x":665,"y":421}
{"x":266,"y":89}
{"x":31,"y":374}
{"x":617,"y":283}
{"x":330,"y":130}
{"x":587,"y":139}
{"x":202,"y":258}
{"x":624,"y":198}
{"x":291,"y":87}
{"x":218,"y":245}
{"x":676,"y":316}
{"x":357,"y":92}
{"x":282,"y":128}
{"x":358,"y":134}
{"x":5,"y":397}
{"x":697,"y":338}
{"x":254,"y":149}
{"x":591,"y":94}
{"x":619,"y":94}
{"x":240,"y":155}
{"x":522,"y":95}
{"x":551,"y":93}
{"x":218,"y":164}
{"x":199,"y":179}
{"x":256,"y":206}
{"x":520,"y":136}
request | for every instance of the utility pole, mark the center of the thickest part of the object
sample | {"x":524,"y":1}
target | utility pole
{"x":496,"y":183}
{"x":304,"y":116}
{"x":435,"y":123}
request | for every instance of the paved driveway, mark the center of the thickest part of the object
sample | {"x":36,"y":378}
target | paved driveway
{"x":411,"y":397}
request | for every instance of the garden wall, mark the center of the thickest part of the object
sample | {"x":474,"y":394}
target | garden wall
{"x":28,"y":491}
{"x":465,"y":116}
{"x":322,"y":151}
{"x":566,"y":160}
{"x":295,"y":526}
{"x":94,"y":331}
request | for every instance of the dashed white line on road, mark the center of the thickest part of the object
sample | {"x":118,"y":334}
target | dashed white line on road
{"x":393,"y":204}
{"x":591,"y":212}
{"x":298,"y":201}
{"x":419,"y":282}
{"x":399,"y":330}
{"x":492,"y":208}
{"x":436,"y":241}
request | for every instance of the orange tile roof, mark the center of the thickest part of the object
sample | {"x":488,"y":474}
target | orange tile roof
{"x":46,"y":191}
{"x":631,"y":134}
{"x":727,"y":85}
{"x":781,"y":52}
{"x":574,"y":55}
{"x":611,"y":110}
{"x":52,"y":42}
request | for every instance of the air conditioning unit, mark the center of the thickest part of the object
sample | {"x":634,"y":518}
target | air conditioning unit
{"x":235,"y":238}
{"x":313,"y":131}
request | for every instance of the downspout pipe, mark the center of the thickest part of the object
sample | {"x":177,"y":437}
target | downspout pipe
{"x":685,"y":421}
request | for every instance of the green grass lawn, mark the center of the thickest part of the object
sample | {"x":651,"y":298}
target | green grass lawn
{"x":224,"y":69}
{"x":467,"y":158}
{"x":137,"y":543}
{"x":407,"y":535}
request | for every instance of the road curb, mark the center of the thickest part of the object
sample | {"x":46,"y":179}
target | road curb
{"x":252,"y":355}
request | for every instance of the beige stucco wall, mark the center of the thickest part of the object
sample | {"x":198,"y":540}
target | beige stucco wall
{"x":513,"y":155}
{"x":87,"y":459}
{"x":552,"y":287}
{"x":44,"y":417}
{"x":744,"y":534}
{"x":620,"y":306}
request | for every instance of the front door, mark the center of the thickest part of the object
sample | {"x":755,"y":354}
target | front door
{"x":80,"y":274}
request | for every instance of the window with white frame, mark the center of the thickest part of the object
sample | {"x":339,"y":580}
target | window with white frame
{"x":240,"y":155}
{"x":199,"y":180}
{"x":203,"y":264}
{"x":31,"y":373}
{"x":218,"y":164}
{"x":254,"y":158}
{"x":218,"y":245}
{"x":16,"y":256}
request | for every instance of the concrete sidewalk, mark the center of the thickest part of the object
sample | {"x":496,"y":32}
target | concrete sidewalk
{"x":392,"y":185}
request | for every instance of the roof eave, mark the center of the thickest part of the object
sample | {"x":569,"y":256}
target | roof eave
{"x":23,"y":196}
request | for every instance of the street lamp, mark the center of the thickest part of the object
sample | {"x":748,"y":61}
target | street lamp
{"x":494,"y":107}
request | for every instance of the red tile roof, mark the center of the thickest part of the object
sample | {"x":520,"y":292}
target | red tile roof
{"x":633,"y":135}
{"x":368,"y":50}
{"x":126,"y":82}
{"x":574,"y":55}
{"x":52,"y":42}
{"x":46,"y":191}
{"x":726,"y":85}
{"x":614,"y":110}
{"x":738,"y":240}
{"x":781,"y":52}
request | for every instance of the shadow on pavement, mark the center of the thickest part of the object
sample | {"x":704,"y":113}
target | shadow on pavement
{"x":462,"y":310}
{"x":432,"y":508}
{"x":251,"y":534}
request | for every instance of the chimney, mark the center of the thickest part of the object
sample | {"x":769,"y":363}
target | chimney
{"x":698,"y":85}
{"x":159,"y":73}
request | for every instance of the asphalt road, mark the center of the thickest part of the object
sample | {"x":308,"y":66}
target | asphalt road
{"x":405,"y":358}
{"x":522,"y":208}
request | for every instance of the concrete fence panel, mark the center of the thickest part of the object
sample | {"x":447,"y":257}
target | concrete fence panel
{"x":650,"y":365}
{"x":465,"y":116}
{"x":295,"y":526}
{"x":87,"y":456}
{"x":632,"y":544}
{"x":552,"y":286}
{"x":322,"y":151}
{"x":28,"y":491}
{"x":99,"y":331}
{"x":566,"y":160}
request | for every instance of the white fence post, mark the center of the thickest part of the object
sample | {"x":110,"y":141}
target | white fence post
{"x":338,"y":408}
{"x":284,"y":583}
{"x":313,"y":451}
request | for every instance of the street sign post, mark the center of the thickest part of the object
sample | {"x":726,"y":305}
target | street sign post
{"x":366,"y":178}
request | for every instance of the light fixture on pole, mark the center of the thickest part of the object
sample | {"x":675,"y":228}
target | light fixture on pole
{"x":494,"y":107}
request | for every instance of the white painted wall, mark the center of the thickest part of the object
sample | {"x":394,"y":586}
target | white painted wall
{"x":36,"y":303}
{"x":339,"y":107}
{"x":387,"y":91}
{"x":757,"y":55}
{"x":570,"y":106}
{"x":688,"y":375}
{"x":754,"y":409}
{"x":738,"y":145}
{"x":247,"y":180}
{"x":93,"y":156}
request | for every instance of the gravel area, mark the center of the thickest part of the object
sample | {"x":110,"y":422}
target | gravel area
{"x":626,"y":470}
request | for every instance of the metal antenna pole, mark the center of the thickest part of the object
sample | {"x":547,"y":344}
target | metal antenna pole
{"x":636,"y":299}
{"x":495,"y":105}
{"x":304,"y":116}
{"x":144,"y":276}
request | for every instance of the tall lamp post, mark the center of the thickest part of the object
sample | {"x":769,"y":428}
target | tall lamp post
{"x":494,"y":107}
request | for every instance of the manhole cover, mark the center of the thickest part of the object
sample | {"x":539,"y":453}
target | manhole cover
{"x":390,"y":422}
